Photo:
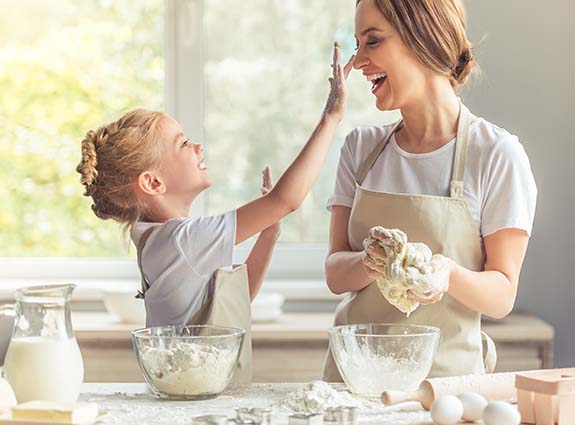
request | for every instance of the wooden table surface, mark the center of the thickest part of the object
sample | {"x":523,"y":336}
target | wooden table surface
{"x":128,"y":404}
{"x":293,"y":348}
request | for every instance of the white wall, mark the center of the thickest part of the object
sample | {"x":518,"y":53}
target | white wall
{"x":528,"y":59}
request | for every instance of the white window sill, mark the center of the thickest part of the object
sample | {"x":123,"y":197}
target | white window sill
{"x":296,"y":272}
{"x":93,"y":290}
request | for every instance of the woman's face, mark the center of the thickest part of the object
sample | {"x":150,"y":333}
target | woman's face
{"x":397,"y":76}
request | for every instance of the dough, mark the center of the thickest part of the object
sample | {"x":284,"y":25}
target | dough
{"x":408,"y":267}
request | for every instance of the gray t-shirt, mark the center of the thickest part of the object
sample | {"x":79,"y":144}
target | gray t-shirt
{"x":179,"y":259}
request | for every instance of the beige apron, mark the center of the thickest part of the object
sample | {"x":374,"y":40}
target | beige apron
{"x":447,"y":227}
{"x":229,"y":306}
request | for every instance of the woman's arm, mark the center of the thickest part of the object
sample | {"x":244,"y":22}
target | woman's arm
{"x":492,"y":292}
{"x":344,"y":269}
{"x":295,"y":183}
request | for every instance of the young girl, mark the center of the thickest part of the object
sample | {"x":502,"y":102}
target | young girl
{"x":143,"y":171}
{"x":447,"y":178}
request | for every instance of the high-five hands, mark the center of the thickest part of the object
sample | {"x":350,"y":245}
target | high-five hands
{"x":335,"y":105}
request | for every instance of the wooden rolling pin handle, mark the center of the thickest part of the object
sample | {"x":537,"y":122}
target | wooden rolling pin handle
{"x":395,"y":397}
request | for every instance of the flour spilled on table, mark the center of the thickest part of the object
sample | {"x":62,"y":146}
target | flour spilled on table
{"x":316,"y":397}
{"x":134,"y":406}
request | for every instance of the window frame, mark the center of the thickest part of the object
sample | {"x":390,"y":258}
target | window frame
{"x":296,"y":270}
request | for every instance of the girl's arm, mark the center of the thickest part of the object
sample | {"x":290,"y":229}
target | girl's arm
{"x":344,"y":269}
{"x":295,"y":183}
{"x":261,"y":254}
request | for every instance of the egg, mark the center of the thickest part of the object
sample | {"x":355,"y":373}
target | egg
{"x":7,"y":397}
{"x":473,"y":405}
{"x":501,"y":413}
{"x":446,"y":410}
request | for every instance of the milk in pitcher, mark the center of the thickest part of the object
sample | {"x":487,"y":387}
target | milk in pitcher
{"x":40,"y":368}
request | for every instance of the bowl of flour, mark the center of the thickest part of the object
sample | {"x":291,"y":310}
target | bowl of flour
{"x":375,"y":357}
{"x":187,"y":362}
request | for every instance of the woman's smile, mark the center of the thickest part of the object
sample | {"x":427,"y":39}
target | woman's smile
{"x":377,"y":81}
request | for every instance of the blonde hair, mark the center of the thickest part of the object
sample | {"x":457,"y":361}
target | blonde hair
{"x":435,"y":31}
{"x":113,"y":157}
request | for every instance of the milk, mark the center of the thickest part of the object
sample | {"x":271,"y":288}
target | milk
{"x":44,"y":369}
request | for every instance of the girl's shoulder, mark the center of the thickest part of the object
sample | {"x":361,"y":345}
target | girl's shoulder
{"x":181,"y":228}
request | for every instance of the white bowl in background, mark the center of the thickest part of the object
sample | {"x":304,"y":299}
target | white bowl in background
{"x":121,"y":302}
{"x":267,"y":307}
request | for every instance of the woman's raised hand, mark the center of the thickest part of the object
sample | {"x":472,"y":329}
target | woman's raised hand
{"x":335,"y":105}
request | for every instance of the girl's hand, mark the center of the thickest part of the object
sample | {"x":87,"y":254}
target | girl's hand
{"x":335,"y":106}
{"x":267,"y":185}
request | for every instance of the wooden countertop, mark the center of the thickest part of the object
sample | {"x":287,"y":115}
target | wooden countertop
{"x":308,"y":327}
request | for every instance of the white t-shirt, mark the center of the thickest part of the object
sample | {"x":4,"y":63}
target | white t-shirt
{"x":179,"y":259}
{"x":498,"y":183}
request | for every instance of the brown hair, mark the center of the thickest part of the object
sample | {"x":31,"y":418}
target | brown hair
{"x":113,"y":157}
{"x":435,"y":31}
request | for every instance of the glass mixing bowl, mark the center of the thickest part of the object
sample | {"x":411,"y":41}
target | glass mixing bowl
{"x":376,"y":357}
{"x":187,"y":362}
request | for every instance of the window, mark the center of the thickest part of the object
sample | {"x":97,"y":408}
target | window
{"x":67,"y":66}
{"x":266,"y":68}
{"x":247,"y":79}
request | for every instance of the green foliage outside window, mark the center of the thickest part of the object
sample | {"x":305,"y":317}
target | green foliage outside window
{"x":67,"y":66}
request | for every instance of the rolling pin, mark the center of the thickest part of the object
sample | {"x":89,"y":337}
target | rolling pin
{"x":495,"y":386}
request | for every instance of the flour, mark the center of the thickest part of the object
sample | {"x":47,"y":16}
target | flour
{"x":189,"y":369}
{"x":408,"y":267}
{"x":130,"y":404}
{"x":369,"y":374}
{"x":316,"y":397}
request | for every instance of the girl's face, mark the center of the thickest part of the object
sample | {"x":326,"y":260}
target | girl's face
{"x":397,"y":76}
{"x":183,"y":170}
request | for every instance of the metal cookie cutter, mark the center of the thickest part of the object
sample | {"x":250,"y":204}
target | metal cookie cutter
{"x":210,"y":420}
{"x":258,"y":416}
{"x":305,"y":419}
{"x":341,"y":415}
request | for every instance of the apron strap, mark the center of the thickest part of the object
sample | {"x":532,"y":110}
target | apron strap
{"x":456,"y":186}
{"x":139,"y":249}
{"x":370,"y":160}
{"x":489,"y":353}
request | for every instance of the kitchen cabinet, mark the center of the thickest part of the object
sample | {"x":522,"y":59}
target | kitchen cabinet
{"x":292,"y":348}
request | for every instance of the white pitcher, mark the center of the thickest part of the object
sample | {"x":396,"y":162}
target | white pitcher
{"x":43,"y":361}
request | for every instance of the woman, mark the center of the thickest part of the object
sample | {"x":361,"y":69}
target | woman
{"x":447,"y":178}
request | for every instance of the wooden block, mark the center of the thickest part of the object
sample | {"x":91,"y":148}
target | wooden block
{"x":551,"y":381}
{"x":544,"y":409}
{"x":566,"y":410}
{"x":525,"y":404}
